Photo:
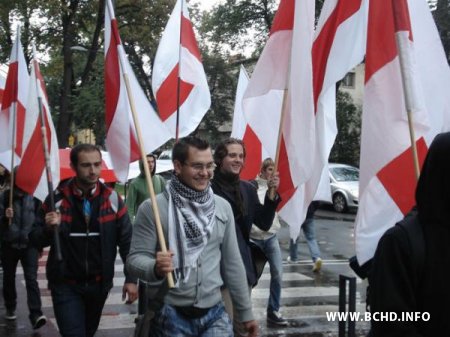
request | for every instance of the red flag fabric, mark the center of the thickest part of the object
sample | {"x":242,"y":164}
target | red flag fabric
{"x":180,"y":57}
{"x":121,"y":136}
{"x":106,"y":174}
{"x":31,"y":175}
{"x":14,"y":102}
{"x":387,"y":180}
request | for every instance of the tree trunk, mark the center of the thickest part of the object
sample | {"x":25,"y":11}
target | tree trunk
{"x":65,"y":116}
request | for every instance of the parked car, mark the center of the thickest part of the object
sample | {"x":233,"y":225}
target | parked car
{"x":344,"y":181}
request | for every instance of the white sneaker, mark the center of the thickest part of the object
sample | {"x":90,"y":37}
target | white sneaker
{"x":290,"y":261}
{"x":317,"y":265}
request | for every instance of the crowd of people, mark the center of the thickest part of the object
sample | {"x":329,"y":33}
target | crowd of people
{"x":213,"y":222}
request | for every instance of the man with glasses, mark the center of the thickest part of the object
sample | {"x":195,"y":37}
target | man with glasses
{"x":247,"y":209}
{"x":203,"y":252}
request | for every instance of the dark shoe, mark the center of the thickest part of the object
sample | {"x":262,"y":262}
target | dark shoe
{"x":10,"y":315}
{"x":275,"y":317}
{"x":40,"y":321}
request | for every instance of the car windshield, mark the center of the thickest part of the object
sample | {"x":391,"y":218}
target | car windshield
{"x":165,"y":155}
{"x":345,"y":173}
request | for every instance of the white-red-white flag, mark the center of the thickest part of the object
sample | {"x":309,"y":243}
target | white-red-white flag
{"x":178,"y":76}
{"x":284,"y":72}
{"x":338,"y":46}
{"x":241,"y":130}
{"x":387,"y":179}
{"x":15,"y":95}
{"x":121,"y":136}
{"x":31,"y":175}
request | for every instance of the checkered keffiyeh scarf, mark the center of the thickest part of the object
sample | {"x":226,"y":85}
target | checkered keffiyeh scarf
{"x":191,"y":221}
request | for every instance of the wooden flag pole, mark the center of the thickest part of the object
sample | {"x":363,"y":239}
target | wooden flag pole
{"x":148,"y":178}
{"x":400,"y":10}
{"x":177,"y":125}
{"x":48,"y":169}
{"x":272,"y":191}
{"x":14,"y":133}
{"x":13,"y":148}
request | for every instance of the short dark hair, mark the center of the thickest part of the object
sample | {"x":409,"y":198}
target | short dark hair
{"x":221,"y":150}
{"x":82,"y":148}
{"x":180,"y":151}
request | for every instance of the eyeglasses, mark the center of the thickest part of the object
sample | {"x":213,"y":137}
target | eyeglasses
{"x":200,"y":167}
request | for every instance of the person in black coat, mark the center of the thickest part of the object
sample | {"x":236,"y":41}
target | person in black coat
{"x":229,"y":157}
{"x":407,"y":275}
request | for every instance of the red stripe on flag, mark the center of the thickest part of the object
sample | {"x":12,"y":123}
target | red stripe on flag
{"x":112,"y":75}
{"x":166,"y":97}
{"x":398,"y":177}
{"x":188,"y":40}
{"x":322,"y":45}
{"x":286,"y":188}
{"x":11,"y":86}
{"x":253,"y":149}
{"x":20,"y":126}
{"x":1,"y":95}
{"x":135,"y":153}
{"x":381,"y":45}
{"x":402,"y":21}
{"x":32,"y":165}
{"x":284,"y":17}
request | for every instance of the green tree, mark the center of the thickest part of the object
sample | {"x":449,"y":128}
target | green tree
{"x":347,"y":145}
{"x":441,"y":16}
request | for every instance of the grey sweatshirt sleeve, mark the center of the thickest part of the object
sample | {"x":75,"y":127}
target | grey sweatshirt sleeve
{"x":144,"y":245}
{"x":233,"y":271}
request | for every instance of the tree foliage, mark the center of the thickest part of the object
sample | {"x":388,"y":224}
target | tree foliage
{"x":347,"y":144}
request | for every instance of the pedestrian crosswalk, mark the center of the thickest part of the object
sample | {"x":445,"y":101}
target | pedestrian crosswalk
{"x":305,"y":299}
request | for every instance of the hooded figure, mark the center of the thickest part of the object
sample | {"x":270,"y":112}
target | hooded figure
{"x":138,"y":191}
{"x":408,"y":267}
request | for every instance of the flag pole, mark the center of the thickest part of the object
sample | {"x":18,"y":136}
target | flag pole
{"x":159,"y":230}
{"x":177,"y":125}
{"x":13,"y":134}
{"x":272,"y":191}
{"x":400,"y":11}
{"x":48,"y":169}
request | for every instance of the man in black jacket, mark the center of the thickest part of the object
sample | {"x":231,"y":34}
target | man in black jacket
{"x":15,"y":247}
{"x":229,"y":157}
{"x":92,"y":222}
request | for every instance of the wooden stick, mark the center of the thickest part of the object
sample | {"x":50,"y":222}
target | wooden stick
{"x":148,"y":178}
{"x":48,"y":169}
{"x":400,"y":11}
{"x":177,"y":124}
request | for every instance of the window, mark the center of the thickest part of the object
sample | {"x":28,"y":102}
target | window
{"x":349,"y":80}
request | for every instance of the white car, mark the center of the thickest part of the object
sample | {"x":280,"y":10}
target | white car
{"x":344,"y":181}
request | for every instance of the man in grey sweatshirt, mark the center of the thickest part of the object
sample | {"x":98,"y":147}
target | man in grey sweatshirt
{"x":203,"y":252}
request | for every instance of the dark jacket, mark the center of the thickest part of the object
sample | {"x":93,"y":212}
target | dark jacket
{"x":255,"y":213}
{"x":25,"y":208}
{"x":396,"y":282}
{"x":115,"y":231}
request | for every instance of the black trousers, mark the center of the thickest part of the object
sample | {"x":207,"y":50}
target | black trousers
{"x":28,"y":258}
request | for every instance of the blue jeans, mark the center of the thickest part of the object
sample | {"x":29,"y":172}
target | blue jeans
{"x":169,"y":323}
{"x":271,"y":249}
{"x":310,"y":235}
{"x":28,"y":257}
{"x":78,"y":308}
